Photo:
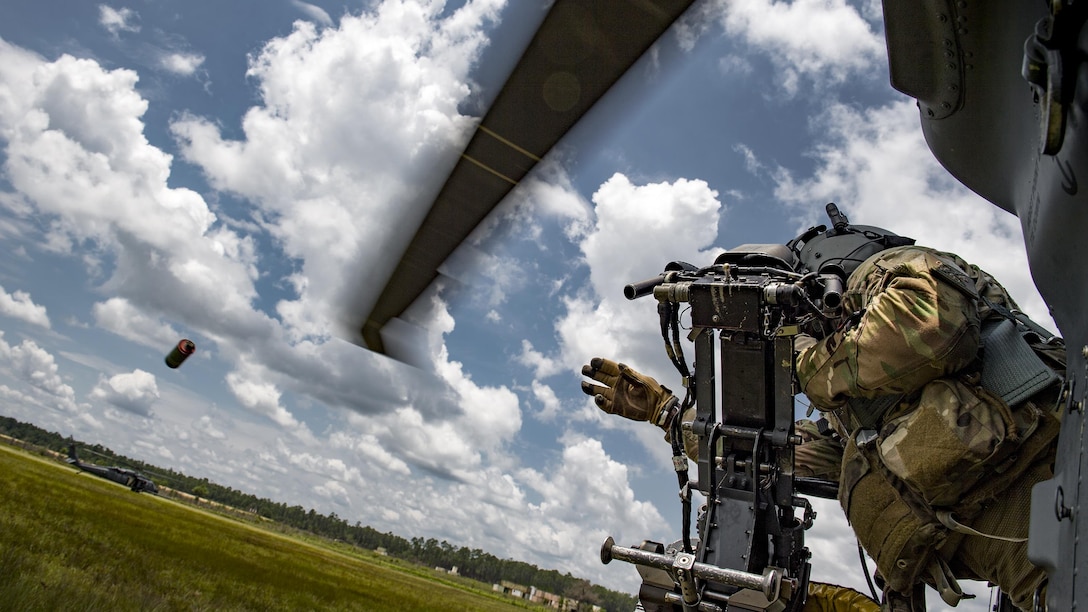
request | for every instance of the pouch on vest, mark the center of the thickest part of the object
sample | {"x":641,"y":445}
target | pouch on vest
{"x":902,"y":544}
{"x":949,"y":442}
{"x":1010,"y":368}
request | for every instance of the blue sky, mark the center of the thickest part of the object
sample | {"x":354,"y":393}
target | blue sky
{"x":237,"y":173}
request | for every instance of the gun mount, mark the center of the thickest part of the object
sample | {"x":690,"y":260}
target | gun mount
{"x":746,"y":310}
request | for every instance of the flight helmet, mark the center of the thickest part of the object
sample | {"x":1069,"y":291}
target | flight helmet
{"x":841,"y":249}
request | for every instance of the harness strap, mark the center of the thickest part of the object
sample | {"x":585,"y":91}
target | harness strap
{"x":866,"y":413}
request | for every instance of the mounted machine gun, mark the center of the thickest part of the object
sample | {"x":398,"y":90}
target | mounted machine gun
{"x":746,"y":310}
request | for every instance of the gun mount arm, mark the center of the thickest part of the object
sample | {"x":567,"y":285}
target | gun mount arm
{"x":770,"y":583}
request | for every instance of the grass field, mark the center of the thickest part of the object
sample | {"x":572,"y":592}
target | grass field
{"x":71,"y":541}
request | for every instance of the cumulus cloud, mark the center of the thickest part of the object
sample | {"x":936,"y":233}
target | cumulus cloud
{"x":260,"y":396}
{"x":121,"y":317}
{"x":205,"y":426}
{"x":548,"y":399}
{"x":824,"y":42}
{"x":550,"y":193}
{"x":36,"y":367}
{"x":77,"y":154}
{"x":133,"y":392}
{"x":876,"y":165}
{"x":118,"y":20}
{"x":325,"y":156}
{"x":370,"y":451}
{"x":75,"y":149}
{"x":586,"y":498}
{"x":542,"y":365}
{"x":557,"y":515}
{"x":19,"y":305}
{"x":453,"y":425}
{"x":184,"y":64}
{"x":630,"y":240}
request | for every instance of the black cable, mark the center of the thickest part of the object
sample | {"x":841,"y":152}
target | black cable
{"x":664,"y":315}
{"x":865,"y":570}
{"x":667,"y":313}
{"x":683,"y":479}
{"x":679,"y":359}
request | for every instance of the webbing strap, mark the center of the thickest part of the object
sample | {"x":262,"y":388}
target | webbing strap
{"x":944,"y":581}
{"x":1044,"y":334}
{"x":866,"y":413}
{"x":946,"y":519}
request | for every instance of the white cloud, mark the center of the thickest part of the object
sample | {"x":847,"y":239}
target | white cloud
{"x":37,"y":368}
{"x":631,"y":240}
{"x":370,"y":451}
{"x":119,"y":316}
{"x":324,"y":157}
{"x":547,"y":397}
{"x":334,"y":492}
{"x":542,"y":365}
{"x":557,"y":516}
{"x":133,"y":392}
{"x":822,"y":41}
{"x":19,"y":305}
{"x":118,"y":20}
{"x":751,"y":162}
{"x":328,"y":467}
{"x":586,"y":498}
{"x":551,"y":193}
{"x":184,"y":64}
{"x":205,"y":425}
{"x":76,"y":150}
{"x":875,"y":164}
{"x":260,"y":397}
{"x":451,"y":427}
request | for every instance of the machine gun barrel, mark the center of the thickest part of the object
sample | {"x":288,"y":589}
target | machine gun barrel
{"x":642,"y":288}
{"x":770,"y":583}
{"x":832,"y":291}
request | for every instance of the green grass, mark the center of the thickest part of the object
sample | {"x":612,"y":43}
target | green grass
{"x":73,"y":541}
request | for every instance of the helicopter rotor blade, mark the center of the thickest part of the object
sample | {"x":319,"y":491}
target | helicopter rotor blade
{"x":580,"y":50}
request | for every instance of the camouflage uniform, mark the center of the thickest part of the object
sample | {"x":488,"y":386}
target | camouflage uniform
{"x":925,"y":449}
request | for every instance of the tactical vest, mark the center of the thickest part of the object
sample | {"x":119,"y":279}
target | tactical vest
{"x":917,"y":467}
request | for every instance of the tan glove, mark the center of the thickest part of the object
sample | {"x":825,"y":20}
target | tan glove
{"x":629,"y":394}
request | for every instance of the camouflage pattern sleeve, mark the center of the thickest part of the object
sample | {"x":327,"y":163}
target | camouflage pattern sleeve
{"x":915,"y":319}
{"x":818,"y":455}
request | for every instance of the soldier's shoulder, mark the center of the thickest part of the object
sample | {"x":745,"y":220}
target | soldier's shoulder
{"x":909,"y":259}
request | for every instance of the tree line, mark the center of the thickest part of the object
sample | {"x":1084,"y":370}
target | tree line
{"x":474,"y":563}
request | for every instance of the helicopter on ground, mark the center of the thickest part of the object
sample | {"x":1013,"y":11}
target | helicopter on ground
{"x":1002,"y":92}
{"x":132,"y":479}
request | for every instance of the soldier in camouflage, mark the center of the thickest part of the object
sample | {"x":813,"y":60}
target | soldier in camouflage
{"x":934,"y":469}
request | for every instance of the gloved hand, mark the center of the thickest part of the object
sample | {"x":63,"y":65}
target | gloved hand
{"x":628,"y":393}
